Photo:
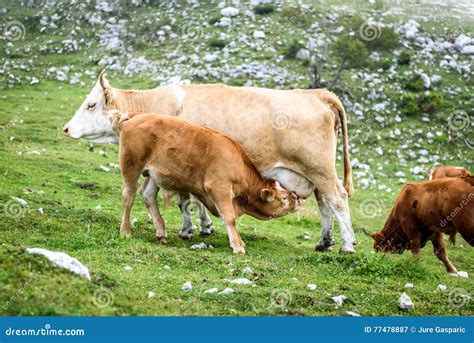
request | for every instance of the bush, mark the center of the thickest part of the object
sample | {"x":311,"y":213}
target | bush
{"x":217,"y":43}
{"x":387,"y":39}
{"x":214,"y":19}
{"x":352,"y":50}
{"x":414,"y":84}
{"x":264,"y":9}
{"x":412,"y":104}
{"x":295,"y":16}
{"x":386,"y":64}
{"x":292,"y":49}
{"x":404,"y":58}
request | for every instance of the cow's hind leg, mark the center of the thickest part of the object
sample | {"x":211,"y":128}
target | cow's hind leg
{"x":440,"y":251}
{"x":207,"y":228}
{"x":184,"y":203}
{"x":149,"y":191}
{"x":129,"y":191}
{"x":327,"y":221}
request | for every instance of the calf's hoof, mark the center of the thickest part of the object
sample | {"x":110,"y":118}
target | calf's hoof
{"x":206,"y":231}
{"x":125,"y":233}
{"x":162,"y":240}
{"x":239,"y":250}
{"x":186,"y":234}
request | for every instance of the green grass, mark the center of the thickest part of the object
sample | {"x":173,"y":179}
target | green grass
{"x":282,"y":261}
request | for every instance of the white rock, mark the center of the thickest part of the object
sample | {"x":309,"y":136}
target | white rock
{"x":352,"y":314}
{"x":463,"y":274}
{"x":468,"y":50}
{"x":258,"y":34}
{"x":248,"y":270}
{"x":436,"y":78}
{"x":312,"y":286}
{"x":199,"y":246}
{"x":104,"y":168}
{"x":187,"y":286}
{"x":63,"y":260}
{"x":229,"y":11}
{"x":128,"y":268}
{"x":21,"y":201}
{"x":302,"y":54}
{"x":151,"y":294}
{"x":462,"y":40}
{"x":339,"y":300}
{"x":306,"y":236}
{"x":41,"y":211}
{"x":211,"y":291}
{"x":426,"y":80}
{"x":442,"y":287}
{"x":227,"y":291}
{"x":408,"y":285}
{"x":242,"y":281}
{"x":405,"y":303}
{"x":166,"y":267}
{"x":400,"y":174}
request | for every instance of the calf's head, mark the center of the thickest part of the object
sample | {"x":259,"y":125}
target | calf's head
{"x":276,"y":201}
{"x":88,"y":121}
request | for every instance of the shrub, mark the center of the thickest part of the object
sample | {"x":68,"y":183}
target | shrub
{"x":214,"y":20}
{"x":352,"y":50}
{"x":404,"y":58}
{"x":264,"y":9}
{"x":292,"y":49}
{"x":414,"y":83}
{"x":217,"y":43}
{"x":409,"y":104}
{"x":412,"y":104}
{"x":386,"y":64}
{"x":295,"y":16}
{"x":387,"y":39}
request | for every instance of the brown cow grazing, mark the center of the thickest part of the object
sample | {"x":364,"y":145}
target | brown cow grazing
{"x":439,"y":172}
{"x":185,"y":157}
{"x":424,"y":212}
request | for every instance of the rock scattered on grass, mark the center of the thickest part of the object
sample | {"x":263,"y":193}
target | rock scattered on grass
{"x":409,"y":285}
{"x":226,"y":291}
{"x":352,"y":314}
{"x":242,"y":281}
{"x":166,"y":267}
{"x":211,"y":291}
{"x":441,"y":287}
{"x":200,"y":246}
{"x":339,"y":300}
{"x":151,"y":294}
{"x":128,"y":268}
{"x":312,"y":286}
{"x":405,"y":303}
{"x":187,"y":287}
{"x":248,"y":270}
{"x":63,"y":260}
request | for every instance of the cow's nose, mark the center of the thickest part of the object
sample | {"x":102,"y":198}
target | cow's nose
{"x":66,"y":131}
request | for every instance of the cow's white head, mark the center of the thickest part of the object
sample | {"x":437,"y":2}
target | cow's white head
{"x":89,"y":122}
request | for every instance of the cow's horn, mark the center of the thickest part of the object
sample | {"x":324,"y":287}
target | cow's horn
{"x":101,"y":79}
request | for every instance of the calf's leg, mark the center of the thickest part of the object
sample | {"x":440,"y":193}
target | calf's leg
{"x":188,"y":227}
{"x":149,"y":191}
{"x":440,"y":251}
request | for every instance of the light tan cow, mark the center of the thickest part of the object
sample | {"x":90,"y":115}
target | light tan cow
{"x":170,"y":150}
{"x":290,"y":135}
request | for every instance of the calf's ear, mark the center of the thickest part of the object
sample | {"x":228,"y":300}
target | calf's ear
{"x":267,"y":194}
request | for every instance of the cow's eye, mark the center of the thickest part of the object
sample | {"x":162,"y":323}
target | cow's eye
{"x":91,"y":106}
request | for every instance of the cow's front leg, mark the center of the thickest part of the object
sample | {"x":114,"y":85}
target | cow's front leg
{"x":149,"y":191}
{"x":327,"y":221}
{"x":440,"y":251}
{"x":184,"y":203}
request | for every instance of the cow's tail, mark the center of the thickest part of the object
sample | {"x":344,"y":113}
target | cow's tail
{"x":117,"y":118}
{"x":333,"y":100}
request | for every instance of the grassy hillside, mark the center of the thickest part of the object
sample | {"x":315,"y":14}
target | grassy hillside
{"x":398,"y":130}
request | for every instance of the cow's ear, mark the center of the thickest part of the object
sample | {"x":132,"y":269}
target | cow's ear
{"x":109,"y":100}
{"x":267,"y":194}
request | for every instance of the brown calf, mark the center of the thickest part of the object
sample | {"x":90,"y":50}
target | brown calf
{"x":424,"y":212}
{"x":185,"y":157}
{"x":439,"y":172}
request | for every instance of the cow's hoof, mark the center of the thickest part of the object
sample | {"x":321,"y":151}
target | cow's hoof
{"x":322,"y":248}
{"x":347,"y":249}
{"x":125,"y":233}
{"x":239,"y":251}
{"x":206,"y":231}
{"x":162,"y":240}
{"x":185,"y":235}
